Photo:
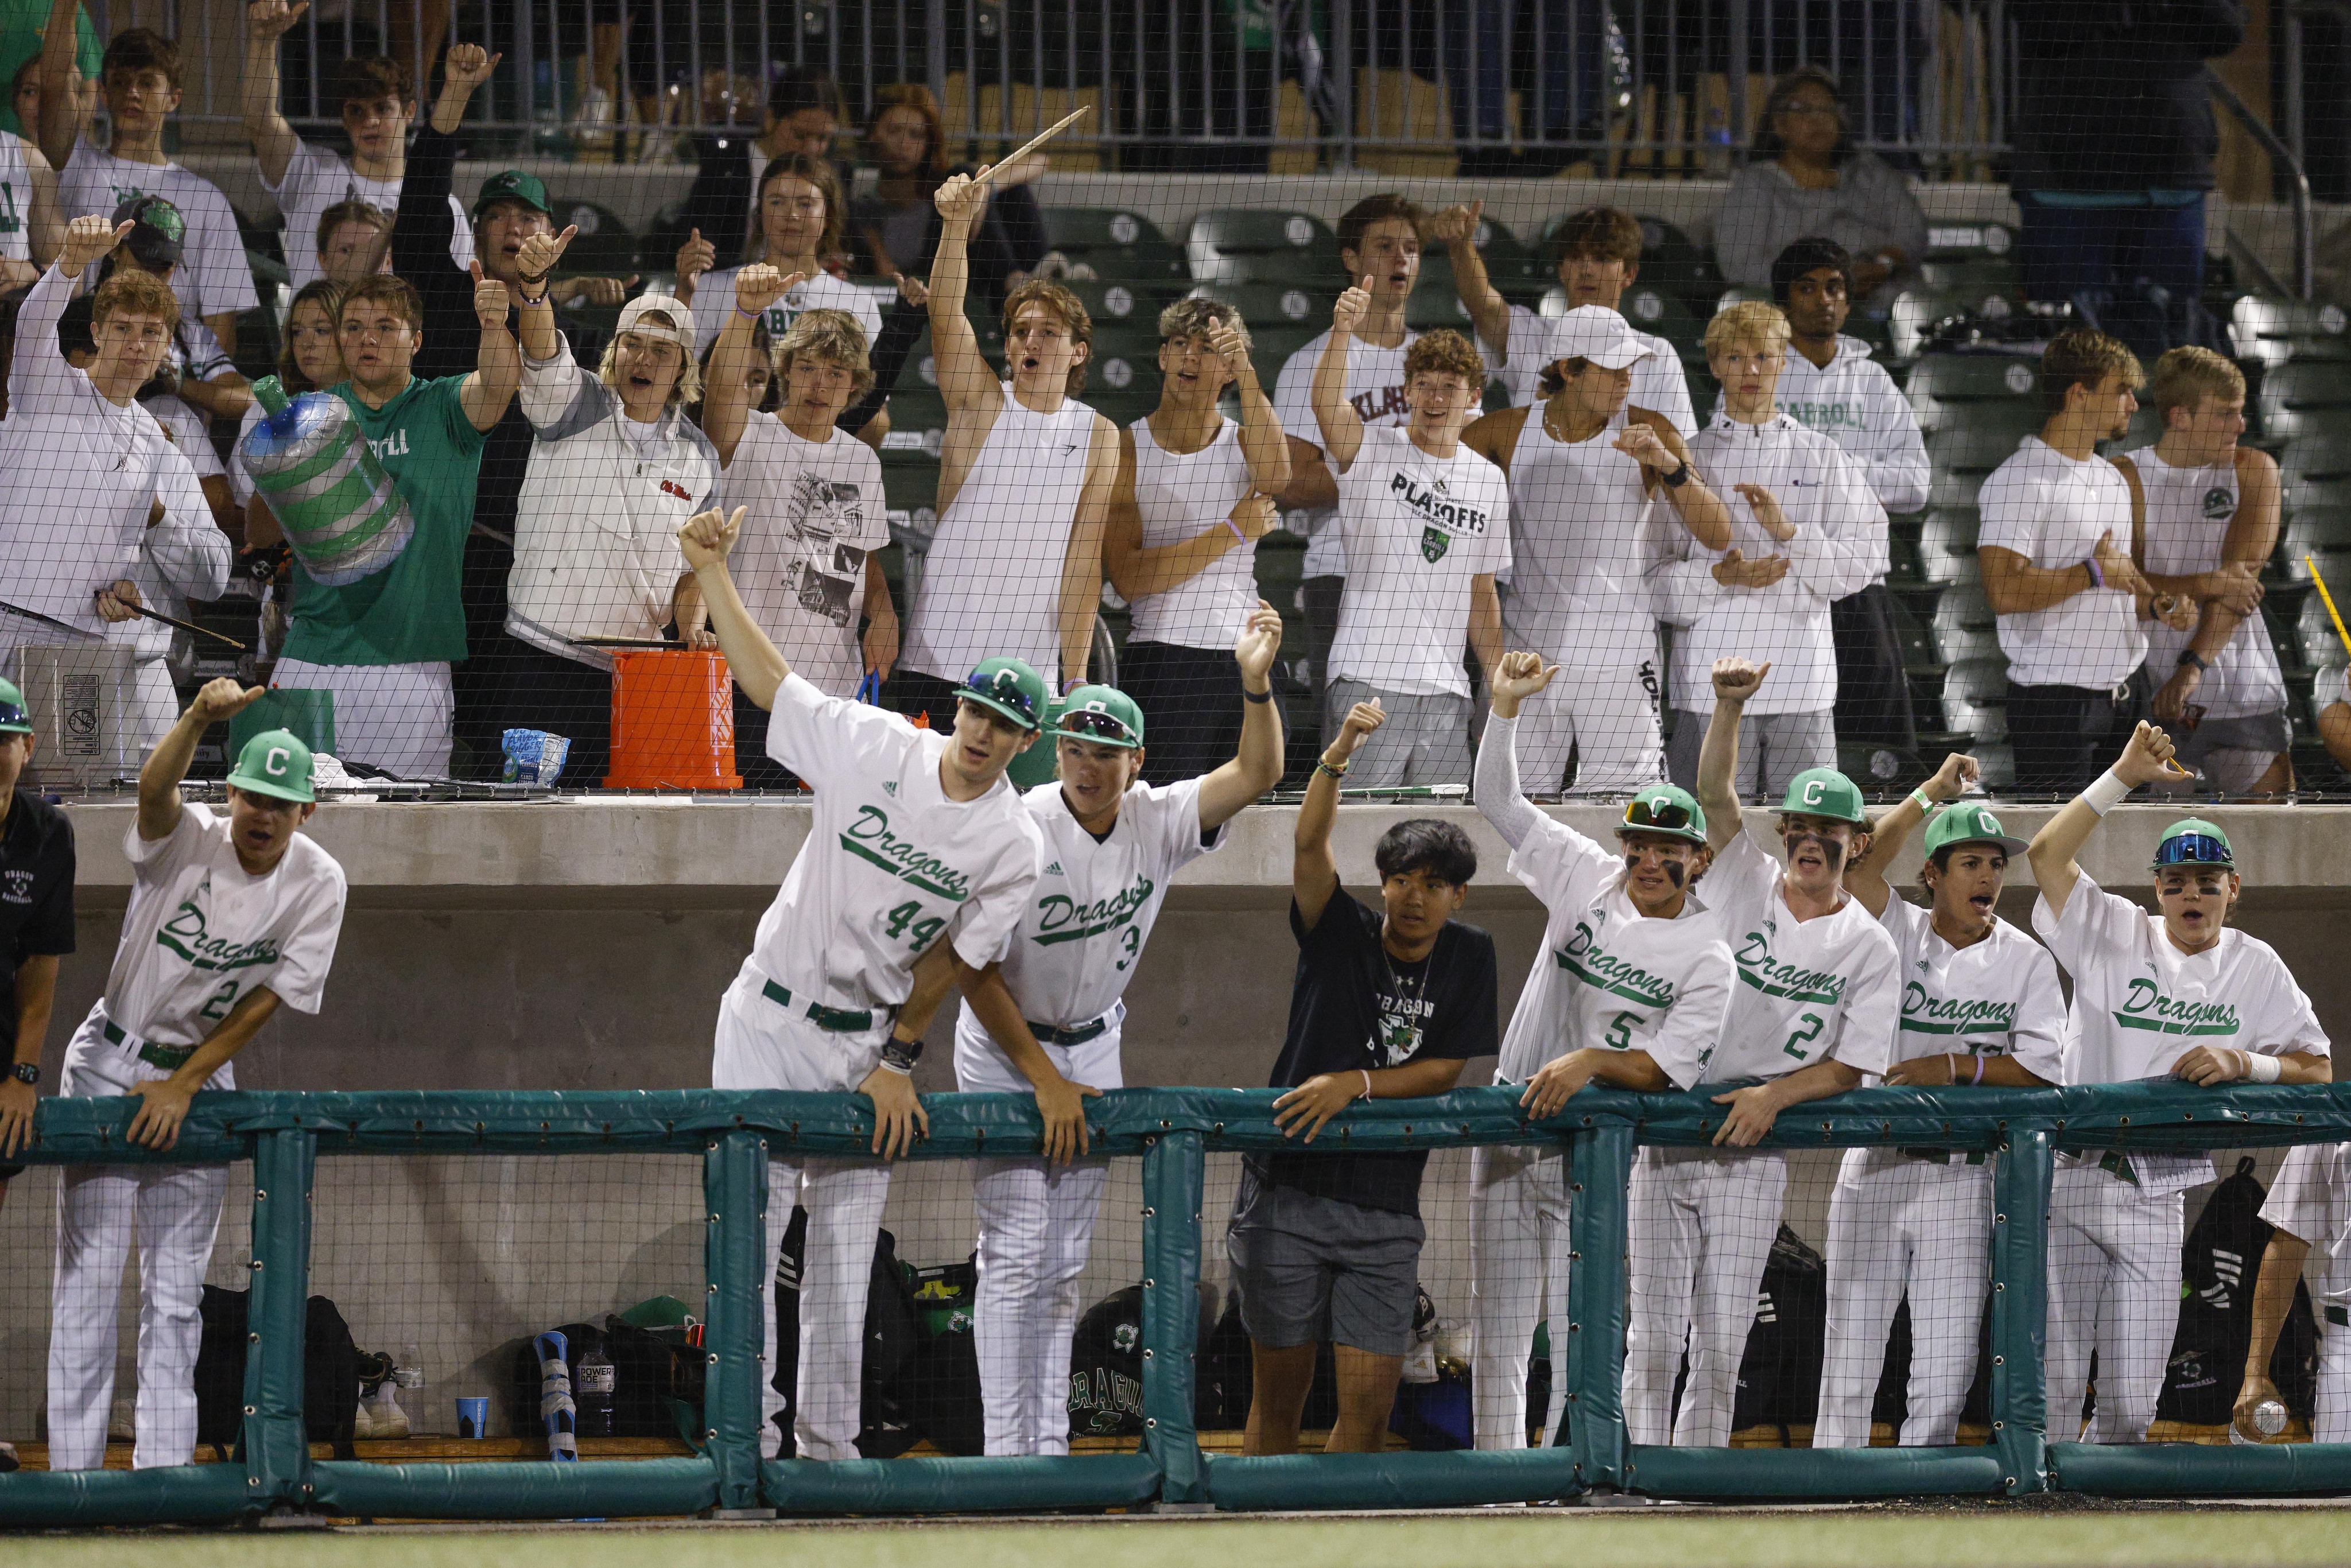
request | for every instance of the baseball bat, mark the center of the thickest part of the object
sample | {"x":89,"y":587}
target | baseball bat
{"x":183,"y":625}
{"x":135,"y":610}
{"x":2332,"y":613}
{"x":1035,"y":141}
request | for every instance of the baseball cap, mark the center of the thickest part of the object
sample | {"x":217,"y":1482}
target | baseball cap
{"x":160,"y":236}
{"x":2192,"y":840}
{"x":275,"y":762}
{"x":678,"y":328}
{"x":14,"y":719}
{"x":513,"y":185}
{"x":1971,"y":823}
{"x":1824,"y":792}
{"x":1010,"y":687}
{"x":1665,"y":808}
{"x":1100,"y":713}
{"x":1596,"y":333}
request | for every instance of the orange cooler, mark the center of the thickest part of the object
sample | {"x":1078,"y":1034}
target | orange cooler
{"x":673,"y":721}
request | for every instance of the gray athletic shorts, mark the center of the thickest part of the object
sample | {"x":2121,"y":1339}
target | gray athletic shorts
{"x":2233,"y":753}
{"x":1425,"y":739}
{"x":1308,"y":1269}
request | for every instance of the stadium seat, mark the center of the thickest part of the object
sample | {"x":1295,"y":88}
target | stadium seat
{"x":1434,"y":305}
{"x":2321,"y":531}
{"x":1277,"y":305}
{"x":2314,"y":631}
{"x":1964,"y":625}
{"x":1969,"y":242}
{"x":1670,"y":260}
{"x":1133,"y":299}
{"x":1972,"y":448}
{"x":918,"y":424}
{"x":1239,"y":245}
{"x":1985,"y":274}
{"x":2317,"y":446}
{"x":1975,"y":698}
{"x":605,"y":242}
{"x":2301,"y":393}
{"x":1975,"y":388}
{"x":1947,"y":546}
{"x":1083,"y":231}
{"x":1510,"y":267}
{"x":2276,"y":330}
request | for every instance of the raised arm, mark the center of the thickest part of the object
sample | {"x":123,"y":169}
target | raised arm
{"x":758,"y":667}
{"x":1264,"y":446}
{"x":725,"y":400}
{"x":1735,"y":681}
{"x":2146,"y":758}
{"x":1256,"y":767}
{"x":1082,"y":564}
{"x":463,"y":72}
{"x":540,"y":339}
{"x":45,"y":220}
{"x":64,"y":110}
{"x":158,"y":778}
{"x":1866,"y":878}
{"x":497,"y":371}
{"x":1651,"y":439}
{"x":1495,"y":782}
{"x":1456,"y":228}
{"x":1342,"y":430}
{"x":1313,"y":874}
{"x":966,"y":378}
{"x":274,"y":141}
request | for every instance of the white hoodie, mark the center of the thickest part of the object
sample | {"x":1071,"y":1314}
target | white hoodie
{"x":1852,"y":402}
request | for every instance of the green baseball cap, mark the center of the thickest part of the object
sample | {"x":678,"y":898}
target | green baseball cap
{"x":513,"y":185}
{"x":1971,"y":823}
{"x":2192,"y":840}
{"x":14,"y":717}
{"x":1824,"y":792}
{"x":1667,"y":810}
{"x":275,"y":762}
{"x":1103,"y":714}
{"x":1010,"y":687}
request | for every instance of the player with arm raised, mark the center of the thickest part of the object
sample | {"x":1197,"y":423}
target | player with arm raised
{"x":1813,"y":1011}
{"x":916,"y":836}
{"x":2175,"y":993}
{"x":1048,"y":1017}
{"x":231,"y":914}
{"x":1634,"y":979}
{"x":1979,"y":1005}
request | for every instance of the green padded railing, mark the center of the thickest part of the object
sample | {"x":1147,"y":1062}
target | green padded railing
{"x":1171,"y":1131}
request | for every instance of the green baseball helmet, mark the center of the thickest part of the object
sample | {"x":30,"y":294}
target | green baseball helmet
{"x":1010,"y":687}
{"x":14,"y":719}
{"x":275,"y":763}
{"x":513,"y":185}
{"x":1103,"y":714}
{"x":1824,"y":792}
{"x":2192,"y":840}
{"x":1667,"y":810}
{"x":1971,"y":823}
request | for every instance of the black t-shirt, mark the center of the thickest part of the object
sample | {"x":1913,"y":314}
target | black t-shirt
{"x":36,"y":910}
{"x":1353,"y":1007}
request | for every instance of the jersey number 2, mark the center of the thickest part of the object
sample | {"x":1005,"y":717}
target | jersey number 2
{"x":217,"y":1006}
{"x":1805,"y":1036}
{"x":904,"y":923}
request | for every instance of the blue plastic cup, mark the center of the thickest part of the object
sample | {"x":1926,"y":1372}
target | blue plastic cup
{"x":473,"y":1417}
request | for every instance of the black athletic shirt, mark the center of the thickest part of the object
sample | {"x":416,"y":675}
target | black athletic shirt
{"x":1353,"y":1007}
{"x":37,"y":912}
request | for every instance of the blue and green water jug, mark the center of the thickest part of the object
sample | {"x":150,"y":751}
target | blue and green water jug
{"x":311,"y":463}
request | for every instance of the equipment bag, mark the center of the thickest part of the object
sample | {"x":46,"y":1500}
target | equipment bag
{"x":1779,"y":1375}
{"x":2219,"y":1264}
{"x":330,"y":1374}
{"x":887,"y":1428}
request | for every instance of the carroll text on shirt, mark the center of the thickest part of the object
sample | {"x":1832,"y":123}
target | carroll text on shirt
{"x":392,"y":446}
{"x":1432,"y":505}
{"x":1826,"y":415}
{"x":869,"y":838}
{"x":1586,"y":959}
{"x":185,"y":934}
{"x":1923,"y":1013}
{"x":2146,"y":1007}
{"x":1757,"y":968}
{"x":1060,"y":918}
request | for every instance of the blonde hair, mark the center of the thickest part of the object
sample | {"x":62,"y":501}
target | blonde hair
{"x":1196,"y":316}
{"x":687,"y":388}
{"x":1445,"y":353}
{"x":2184,"y":378}
{"x":1750,"y":321}
{"x":831,"y":335}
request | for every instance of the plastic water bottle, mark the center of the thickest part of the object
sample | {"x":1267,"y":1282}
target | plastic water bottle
{"x":593,"y":1392}
{"x":2269,"y":1420}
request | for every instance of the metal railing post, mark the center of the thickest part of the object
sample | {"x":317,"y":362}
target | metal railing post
{"x":276,"y":1445}
{"x":2020,"y":1274}
{"x":741,"y":1273}
{"x":1600,"y":1165}
{"x":1172,"y":1173}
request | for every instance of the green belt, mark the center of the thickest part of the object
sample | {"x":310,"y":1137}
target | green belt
{"x":1941,"y":1156}
{"x":2116,"y":1163}
{"x":2339,"y":1316}
{"x":839,"y":1021}
{"x":170,"y":1058}
{"x":1048,"y":1035}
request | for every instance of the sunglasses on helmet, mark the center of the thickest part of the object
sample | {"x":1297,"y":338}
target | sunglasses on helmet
{"x":1668,"y":816}
{"x":1102,"y":726}
{"x":2193,"y":848}
{"x":1006,"y":690}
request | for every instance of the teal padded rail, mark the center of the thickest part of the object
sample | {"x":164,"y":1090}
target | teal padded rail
{"x":2020,"y":1295}
{"x":1174,"y":1172}
{"x":276,"y":1450}
{"x":2198,"y":1470}
{"x":1462,"y":1479}
{"x":1707,"y":1473}
{"x":517,"y":1488}
{"x":739,"y":1274}
{"x":925,"y":1485}
{"x":1600,"y":1171}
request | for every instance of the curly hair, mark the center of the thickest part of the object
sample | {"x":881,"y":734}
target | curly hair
{"x":1197,"y":316}
{"x":1068,"y":307}
{"x":132,"y":292}
{"x":1445,"y":353}
{"x":817,"y":171}
{"x":830,"y":337}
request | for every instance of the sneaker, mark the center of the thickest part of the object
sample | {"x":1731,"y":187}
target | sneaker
{"x":390,"y":1420}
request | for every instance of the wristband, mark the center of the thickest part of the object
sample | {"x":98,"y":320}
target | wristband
{"x":2097,"y":578}
{"x":1237,"y":530}
{"x":2262,"y":1068}
{"x":1367,"y":1083}
{"x":1924,"y":804}
{"x":527,"y":278}
{"x":2106,"y":794}
{"x":1322,"y":767}
{"x":1979,"y":1067}
{"x":2190,"y":657}
{"x":748,"y":315}
{"x":900,"y":1055}
{"x":1674,"y":480}
{"x":1264,"y":697}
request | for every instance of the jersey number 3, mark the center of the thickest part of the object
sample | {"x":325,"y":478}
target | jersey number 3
{"x":904,"y":921}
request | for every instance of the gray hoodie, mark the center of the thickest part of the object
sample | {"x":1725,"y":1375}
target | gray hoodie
{"x":1765,"y":210}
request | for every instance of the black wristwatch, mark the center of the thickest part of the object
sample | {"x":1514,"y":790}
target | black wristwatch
{"x":2190,"y":657}
{"x":25,"y":1071}
{"x":900,"y":1055}
{"x":1674,"y":480}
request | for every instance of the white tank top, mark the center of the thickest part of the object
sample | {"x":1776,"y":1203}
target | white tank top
{"x":15,"y":200}
{"x":1179,"y":495}
{"x":992,"y":580}
{"x":2187,"y":514}
{"x":1580,"y":536}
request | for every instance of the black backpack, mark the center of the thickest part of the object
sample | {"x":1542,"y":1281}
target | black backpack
{"x":2220,"y":1262}
{"x":1891,"y":1407}
{"x":891,"y":1338}
{"x":330,"y":1374}
{"x":1106,"y":1368}
{"x":1779,"y":1375}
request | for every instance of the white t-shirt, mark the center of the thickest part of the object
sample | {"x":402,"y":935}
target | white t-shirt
{"x":816,"y":513}
{"x":890,"y":862}
{"x":1417,"y":529}
{"x":16,"y":199}
{"x":1808,"y":991}
{"x":2188,"y":514}
{"x":2332,"y":685}
{"x":1177,"y":496}
{"x":2310,"y":1200}
{"x":2140,"y":1004}
{"x":213,"y":277}
{"x":1609,"y":977}
{"x":1658,"y":385}
{"x":713,"y":299}
{"x":1085,"y":927}
{"x":2052,"y":510}
{"x":200,"y":933}
{"x":318,"y":177}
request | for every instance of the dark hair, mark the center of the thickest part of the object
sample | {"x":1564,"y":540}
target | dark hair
{"x":914,"y":97}
{"x":31,"y":66}
{"x":327,"y":293}
{"x":817,"y":171}
{"x":397,"y":292}
{"x":1767,"y":134}
{"x":2079,"y":356}
{"x":370,"y":78}
{"x":763,"y":344}
{"x":1424,"y":843}
{"x":76,"y":329}
{"x":1811,"y":254}
{"x":142,"y":49}
{"x":803,"y":86}
{"x":1358,"y":219}
{"x":1611,"y":234}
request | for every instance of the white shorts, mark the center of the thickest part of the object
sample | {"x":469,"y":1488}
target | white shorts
{"x":392,"y":716}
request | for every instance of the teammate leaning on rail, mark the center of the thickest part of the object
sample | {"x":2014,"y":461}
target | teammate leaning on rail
{"x":2309,"y":1205}
{"x":1635,"y":975}
{"x":231,"y":913}
{"x":1052,"y":1003}
{"x":1979,"y":1005}
{"x":2175,"y":992}
{"x":916,"y":835}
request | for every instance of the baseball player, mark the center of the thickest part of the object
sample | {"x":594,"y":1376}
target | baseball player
{"x":231,"y":914}
{"x":916,"y":835}
{"x":1979,"y":1005}
{"x":1051,"y":1004}
{"x":1634,"y":972}
{"x":2174,"y":993}
{"x":2309,"y":1205}
{"x":1812,"y":1012}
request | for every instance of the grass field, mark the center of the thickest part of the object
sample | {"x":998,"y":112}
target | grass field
{"x":1906,"y":1537}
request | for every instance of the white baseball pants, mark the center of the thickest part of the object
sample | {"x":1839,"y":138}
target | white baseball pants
{"x":2114,"y":1286}
{"x":1702,"y":1227}
{"x":2333,"y":1422}
{"x":1920,"y":1228}
{"x":1518,"y":1273}
{"x":397,"y":718}
{"x":1036,"y":1226}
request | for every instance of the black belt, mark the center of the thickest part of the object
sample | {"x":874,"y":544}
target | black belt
{"x":1941,"y":1156}
{"x":1048,"y":1035}
{"x":170,"y":1058}
{"x":2116,"y":1163}
{"x":838,"y":1020}
{"x":2339,"y":1316}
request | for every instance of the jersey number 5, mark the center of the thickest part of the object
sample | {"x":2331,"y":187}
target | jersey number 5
{"x":1805,"y":1036}
{"x":904,"y":921}
{"x":1620,"y":1032}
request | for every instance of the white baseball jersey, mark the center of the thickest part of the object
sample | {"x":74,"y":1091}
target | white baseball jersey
{"x":1658,"y":385}
{"x":2140,"y":1004}
{"x":816,"y":513}
{"x":317,"y":178}
{"x":200,"y":933}
{"x":1084,"y":926}
{"x":1610,"y":978}
{"x":2188,"y":514}
{"x":713,"y":296}
{"x":1418,"y":529}
{"x":1176,"y":496}
{"x":2310,"y":1200}
{"x":16,"y":199}
{"x":2052,"y":510}
{"x":214,"y":276}
{"x":1808,"y":991}
{"x":890,"y":862}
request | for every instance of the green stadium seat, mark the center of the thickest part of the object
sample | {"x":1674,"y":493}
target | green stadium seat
{"x":1512,"y":270}
{"x":2292,"y":392}
{"x":1072,"y":230}
{"x":605,"y":243}
{"x":1973,"y":274}
{"x":1969,"y":242}
{"x":918,"y":424}
{"x":1125,"y":299}
{"x":1970,"y":448}
{"x":2321,"y":531}
{"x":1276,"y":304}
{"x":1432,"y":307}
{"x":2316,"y":445}
{"x":1239,"y":245}
{"x":2313,"y":628}
{"x":2276,"y":330}
{"x":1975,"y":698}
{"x":1670,"y":260}
{"x":1976,"y":388}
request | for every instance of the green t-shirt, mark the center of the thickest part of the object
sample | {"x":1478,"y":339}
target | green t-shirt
{"x":410,"y":613}
{"x":21,"y":22}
